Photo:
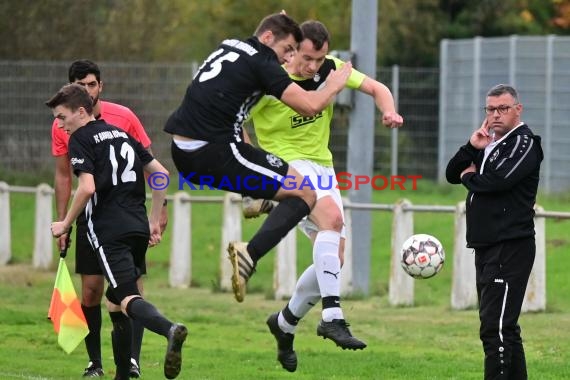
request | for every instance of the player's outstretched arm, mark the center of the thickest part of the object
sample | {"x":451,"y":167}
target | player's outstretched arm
{"x":164,"y":212}
{"x":309,"y":103}
{"x":384,"y":101}
{"x":158,"y":197}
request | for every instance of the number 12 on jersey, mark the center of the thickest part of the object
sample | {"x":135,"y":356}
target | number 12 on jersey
{"x":127,"y":153}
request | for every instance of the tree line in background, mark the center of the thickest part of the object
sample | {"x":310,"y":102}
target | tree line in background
{"x":409,"y":31}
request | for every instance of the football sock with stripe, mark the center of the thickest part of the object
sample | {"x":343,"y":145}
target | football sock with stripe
{"x":287,"y":321}
{"x":327,"y":268}
{"x":306,"y":295}
{"x":278,"y":223}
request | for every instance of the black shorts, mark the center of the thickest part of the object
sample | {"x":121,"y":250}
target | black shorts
{"x":121,"y":258}
{"x":86,"y":261}
{"x":237,"y":167}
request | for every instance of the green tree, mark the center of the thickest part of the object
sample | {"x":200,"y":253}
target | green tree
{"x":409,"y":31}
{"x":499,"y":18}
{"x":49,"y":30}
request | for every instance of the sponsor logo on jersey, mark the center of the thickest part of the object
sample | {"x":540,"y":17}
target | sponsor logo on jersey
{"x":75,"y":161}
{"x":299,"y":121}
{"x":494,"y":157}
{"x":274,"y":160}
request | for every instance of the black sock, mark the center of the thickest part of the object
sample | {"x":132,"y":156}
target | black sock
{"x":121,"y":340}
{"x":93,"y":339}
{"x":331,"y":301}
{"x":148,"y":316}
{"x":138,"y":330}
{"x":289,"y":317}
{"x":278,"y":223}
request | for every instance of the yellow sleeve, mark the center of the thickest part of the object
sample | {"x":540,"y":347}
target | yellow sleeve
{"x":356,"y":77}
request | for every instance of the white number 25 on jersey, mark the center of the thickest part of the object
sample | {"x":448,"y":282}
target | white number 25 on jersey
{"x":216,"y":60}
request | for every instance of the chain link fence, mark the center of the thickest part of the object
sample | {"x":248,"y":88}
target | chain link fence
{"x":537,"y":66}
{"x":154,"y":90}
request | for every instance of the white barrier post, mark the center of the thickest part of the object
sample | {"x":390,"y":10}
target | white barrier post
{"x":463,"y":288}
{"x":535,"y":296}
{"x":231,"y":231}
{"x":180,"y":274}
{"x":5,"y":230}
{"x":346,"y":284}
{"x":285,"y":272}
{"x":401,"y":289}
{"x":43,"y":240}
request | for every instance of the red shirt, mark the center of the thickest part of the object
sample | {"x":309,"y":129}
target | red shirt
{"x":114,"y":114}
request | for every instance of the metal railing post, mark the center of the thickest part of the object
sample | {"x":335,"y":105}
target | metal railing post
{"x":43,"y":240}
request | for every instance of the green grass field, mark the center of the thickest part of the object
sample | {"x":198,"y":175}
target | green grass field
{"x":230,"y":341}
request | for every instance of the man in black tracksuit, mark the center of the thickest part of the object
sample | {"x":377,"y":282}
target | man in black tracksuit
{"x":500,"y":167}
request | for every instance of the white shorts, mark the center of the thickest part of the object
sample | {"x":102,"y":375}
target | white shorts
{"x":325,"y":184}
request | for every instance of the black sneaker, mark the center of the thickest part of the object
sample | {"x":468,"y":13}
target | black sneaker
{"x":93,"y":370}
{"x":135,"y":371}
{"x":337,"y":331}
{"x":173,"y":358}
{"x":285,"y":353}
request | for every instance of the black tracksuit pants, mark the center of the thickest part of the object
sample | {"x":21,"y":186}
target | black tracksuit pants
{"x":502,"y":273}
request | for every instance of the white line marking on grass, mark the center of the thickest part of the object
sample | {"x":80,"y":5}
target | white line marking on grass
{"x":22,"y":376}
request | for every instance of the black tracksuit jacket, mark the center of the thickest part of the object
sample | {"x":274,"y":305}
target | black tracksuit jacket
{"x":500,"y":201}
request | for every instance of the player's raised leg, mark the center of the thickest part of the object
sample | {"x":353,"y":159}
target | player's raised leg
{"x":295,"y":202}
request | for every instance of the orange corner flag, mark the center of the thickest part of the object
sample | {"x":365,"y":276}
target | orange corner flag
{"x":65,"y":311}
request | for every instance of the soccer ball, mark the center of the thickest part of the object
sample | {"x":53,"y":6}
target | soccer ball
{"x":422,"y":256}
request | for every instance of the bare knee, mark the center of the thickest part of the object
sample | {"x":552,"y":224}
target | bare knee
{"x":125,"y":301}
{"x":327,"y":216}
{"x":112,"y":307}
{"x":92,"y":287}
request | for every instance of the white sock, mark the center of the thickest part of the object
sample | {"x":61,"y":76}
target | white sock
{"x":327,"y":268}
{"x":307,"y":293}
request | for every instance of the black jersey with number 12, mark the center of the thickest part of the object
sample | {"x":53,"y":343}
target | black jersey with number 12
{"x":116,"y":160}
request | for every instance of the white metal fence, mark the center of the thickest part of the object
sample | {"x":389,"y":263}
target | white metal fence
{"x":154,"y":90}
{"x":401,"y":286}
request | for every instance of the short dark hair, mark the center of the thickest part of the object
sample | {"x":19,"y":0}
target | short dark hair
{"x":501,"y":89}
{"x":281,"y":26}
{"x":72,"y":96}
{"x":81,"y":68}
{"x":316,"y":32}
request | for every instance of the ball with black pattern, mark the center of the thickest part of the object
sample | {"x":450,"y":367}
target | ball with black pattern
{"x":422,"y":256}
